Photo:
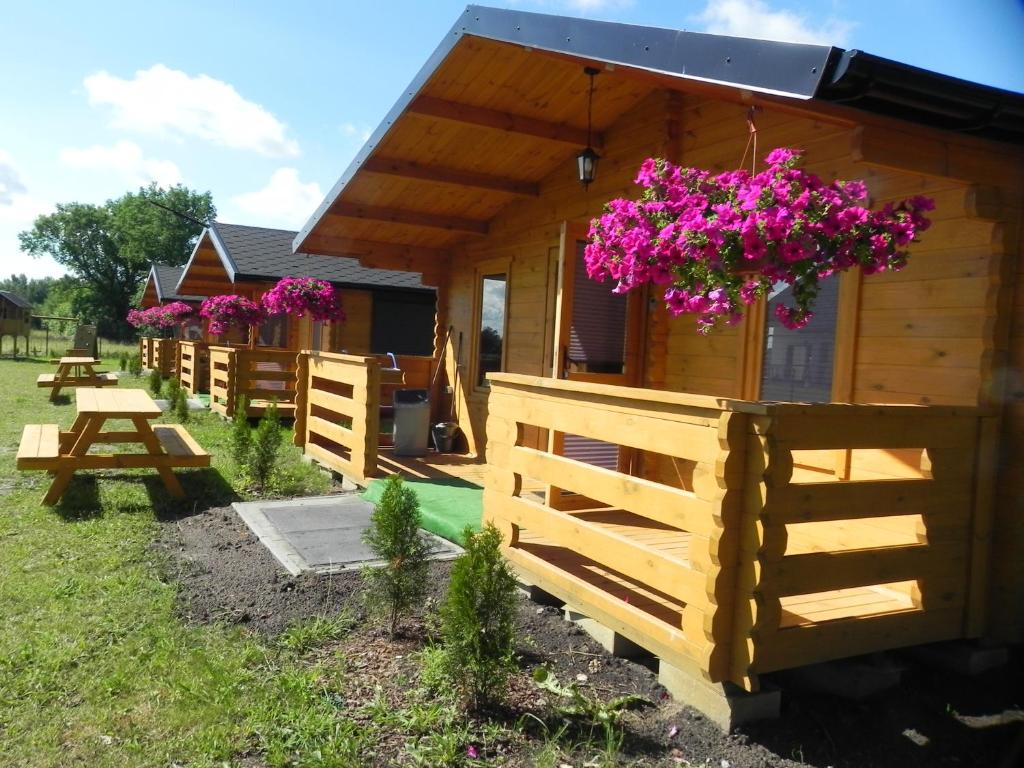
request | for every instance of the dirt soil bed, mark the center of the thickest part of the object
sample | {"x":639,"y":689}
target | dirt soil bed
{"x":226,"y":575}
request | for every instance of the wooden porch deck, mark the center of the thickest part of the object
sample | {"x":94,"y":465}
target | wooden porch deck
{"x":433,"y":466}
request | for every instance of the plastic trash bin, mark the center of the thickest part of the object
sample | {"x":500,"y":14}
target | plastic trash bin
{"x":412,"y":422}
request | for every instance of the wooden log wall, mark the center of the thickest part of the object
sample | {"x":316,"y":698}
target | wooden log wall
{"x":338,"y":412}
{"x":194,"y":366}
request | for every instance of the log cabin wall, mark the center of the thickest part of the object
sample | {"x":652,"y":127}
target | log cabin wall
{"x":938,"y":332}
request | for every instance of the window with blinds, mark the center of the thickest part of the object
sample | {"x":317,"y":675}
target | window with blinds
{"x":491,"y":341}
{"x":797,"y":365}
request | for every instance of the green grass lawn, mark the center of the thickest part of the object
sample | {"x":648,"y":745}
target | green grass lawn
{"x":96,"y":669}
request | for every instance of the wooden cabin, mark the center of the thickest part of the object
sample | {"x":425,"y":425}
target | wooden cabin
{"x":387,"y":311}
{"x":161,"y":288}
{"x":15,"y":319}
{"x":751,"y":500}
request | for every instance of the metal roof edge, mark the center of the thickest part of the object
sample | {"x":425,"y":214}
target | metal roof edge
{"x":222,"y":251}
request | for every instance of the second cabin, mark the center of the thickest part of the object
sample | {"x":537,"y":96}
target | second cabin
{"x":388,"y":313}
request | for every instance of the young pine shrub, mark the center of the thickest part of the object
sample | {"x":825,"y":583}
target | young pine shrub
{"x":135,"y":365}
{"x":181,"y":411}
{"x":478,"y":621}
{"x":241,"y":434}
{"x":394,"y":536}
{"x":171,"y":389}
{"x":123,"y":361}
{"x":156,"y":382}
{"x":266,"y":444}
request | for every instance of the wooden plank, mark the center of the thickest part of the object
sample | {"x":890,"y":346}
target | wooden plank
{"x":407,"y":217}
{"x":503,"y":121}
{"x":672,"y":506}
{"x":642,"y":563}
{"x":823,"y":571}
{"x":410,"y":169}
{"x":333,"y":432}
{"x":799,"y":646}
{"x":831,"y":501}
{"x":871,"y":427}
{"x":177,"y":441}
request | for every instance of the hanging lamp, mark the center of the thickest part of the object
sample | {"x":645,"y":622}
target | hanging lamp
{"x":586,"y":160}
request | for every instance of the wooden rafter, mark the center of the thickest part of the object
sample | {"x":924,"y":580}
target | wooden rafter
{"x":504,"y":121}
{"x":412,"y":170}
{"x":412,"y":218}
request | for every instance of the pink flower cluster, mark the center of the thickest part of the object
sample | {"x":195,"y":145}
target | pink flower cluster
{"x":163,"y":316}
{"x":719,"y":242}
{"x":229,"y":311}
{"x":304,"y":295}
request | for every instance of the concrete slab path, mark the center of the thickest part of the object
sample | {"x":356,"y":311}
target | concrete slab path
{"x":323,"y":534}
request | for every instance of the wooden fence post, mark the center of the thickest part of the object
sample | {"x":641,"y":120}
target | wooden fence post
{"x":301,"y":398}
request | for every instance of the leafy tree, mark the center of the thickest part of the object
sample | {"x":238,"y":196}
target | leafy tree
{"x":34,"y":290}
{"x":109,"y":247}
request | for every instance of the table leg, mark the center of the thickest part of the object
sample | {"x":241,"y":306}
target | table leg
{"x":58,"y":380}
{"x":148,"y":438}
{"x":81,"y":447}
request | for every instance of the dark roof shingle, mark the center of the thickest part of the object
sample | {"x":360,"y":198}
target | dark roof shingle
{"x":15,"y":299}
{"x":167,"y":283}
{"x":258,"y":253}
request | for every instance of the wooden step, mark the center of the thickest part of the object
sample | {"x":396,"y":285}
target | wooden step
{"x":177,"y":441}
{"x":40,"y":446}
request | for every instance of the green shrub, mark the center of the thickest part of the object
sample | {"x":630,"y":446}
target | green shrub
{"x":135,"y":365}
{"x":241,"y":434}
{"x":478,"y":620}
{"x":394,"y":536}
{"x":266,"y":444}
{"x":171,"y":389}
{"x":156,"y":382}
{"x":123,"y":361}
{"x":181,"y":411}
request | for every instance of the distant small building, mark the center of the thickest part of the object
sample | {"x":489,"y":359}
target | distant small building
{"x":15,"y":318}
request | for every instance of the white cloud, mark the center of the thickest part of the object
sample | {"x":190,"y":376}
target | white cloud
{"x":18,"y":211}
{"x":755,"y":18}
{"x":10,"y":180}
{"x":167,"y":102}
{"x":127,"y":160}
{"x":354,"y":131}
{"x":285,"y":201}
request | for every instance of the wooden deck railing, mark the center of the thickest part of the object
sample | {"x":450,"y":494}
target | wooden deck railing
{"x":261,"y":375}
{"x":194,"y":366}
{"x":338,"y":406}
{"x":158,"y":354}
{"x":752,"y":559}
{"x":146,"y":351}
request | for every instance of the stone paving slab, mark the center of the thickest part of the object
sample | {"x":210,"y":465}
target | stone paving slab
{"x":322,"y":533}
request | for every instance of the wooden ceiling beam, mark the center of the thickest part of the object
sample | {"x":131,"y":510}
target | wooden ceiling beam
{"x":335,"y":245}
{"x":411,"y":218}
{"x":503,"y":121}
{"x":410,"y":169}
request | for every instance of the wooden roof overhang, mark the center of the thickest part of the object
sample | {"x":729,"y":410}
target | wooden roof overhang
{"x":149,"y":293}
{"x":502,"y":103}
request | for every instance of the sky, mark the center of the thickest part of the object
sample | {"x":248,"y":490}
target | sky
{"x":264,"y":103}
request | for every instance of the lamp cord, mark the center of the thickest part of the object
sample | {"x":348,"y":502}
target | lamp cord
{"x":751,"y":140}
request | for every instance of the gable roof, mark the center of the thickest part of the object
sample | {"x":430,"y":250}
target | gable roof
{"x":259,"y":253}
{"x":15,"y":299}
{"x":668,"y":58}
{"x":165,"y":281}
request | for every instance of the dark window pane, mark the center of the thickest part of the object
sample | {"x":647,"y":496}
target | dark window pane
{"x":493,"y":295}
{"x":403,"y":323}
{"x":798,"y":364}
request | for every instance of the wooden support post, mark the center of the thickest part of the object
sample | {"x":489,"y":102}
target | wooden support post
{"x":299,"y":436}
{"x":981,"y":527}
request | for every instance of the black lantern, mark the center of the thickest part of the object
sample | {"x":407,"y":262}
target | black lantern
{"x":586,"y":160}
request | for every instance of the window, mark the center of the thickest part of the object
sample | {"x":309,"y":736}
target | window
{"x":403,"y":323}
{"x":274,"y":332}
{"x":797,"y":365}
{"x":491,"y":339}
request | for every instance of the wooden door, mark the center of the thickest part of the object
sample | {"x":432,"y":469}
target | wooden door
{"x":598,"y":339}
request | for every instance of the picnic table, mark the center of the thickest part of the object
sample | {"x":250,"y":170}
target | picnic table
{"x":75,"y":372}
{"x":45,"y":447}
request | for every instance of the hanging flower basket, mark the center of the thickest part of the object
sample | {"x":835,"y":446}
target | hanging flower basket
{"x":160,"y":317}
{"x":304,"y":296}
{"x":719,"y":242}
{"x":231,"y":311}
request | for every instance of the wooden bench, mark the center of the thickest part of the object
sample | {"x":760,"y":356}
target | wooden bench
{"x":99,"y":380}
{"x":176,"y":440}
{"x":40,"y":447}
